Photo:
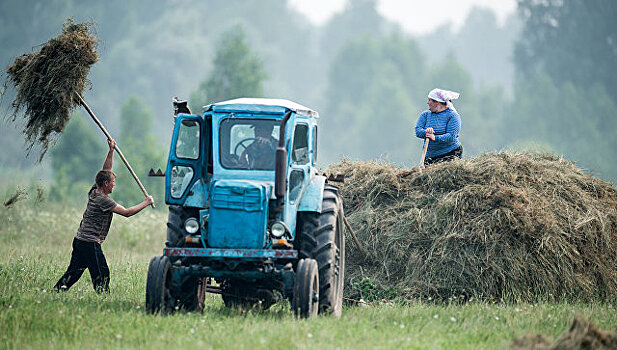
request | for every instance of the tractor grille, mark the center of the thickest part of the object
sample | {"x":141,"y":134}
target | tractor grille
{"x":238,"y":215}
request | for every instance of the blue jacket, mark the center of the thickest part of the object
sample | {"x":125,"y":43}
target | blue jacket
{"x":447,"y":125}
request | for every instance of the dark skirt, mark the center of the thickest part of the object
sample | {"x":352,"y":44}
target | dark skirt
{"x":458,"y":152}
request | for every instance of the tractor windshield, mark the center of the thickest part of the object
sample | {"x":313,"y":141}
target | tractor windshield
{"x":248,"y":143}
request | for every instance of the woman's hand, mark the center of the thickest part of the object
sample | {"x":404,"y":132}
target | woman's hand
{"x":430,"y":134}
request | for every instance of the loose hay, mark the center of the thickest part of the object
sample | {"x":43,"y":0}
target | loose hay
{"x":501,"y":227}
{"x":48,"y":81}
{"x":582,"y":335}
{"x":19,"y":195}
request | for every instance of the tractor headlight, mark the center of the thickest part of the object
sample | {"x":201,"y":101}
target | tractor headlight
{"x":191,"y":225}
{"x":278,"y":229}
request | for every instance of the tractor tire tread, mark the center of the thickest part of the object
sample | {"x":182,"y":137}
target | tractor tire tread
{"x":318,"y":236}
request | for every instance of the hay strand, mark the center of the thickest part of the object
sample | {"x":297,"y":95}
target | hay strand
{"x":48,"y":82}
{"x":18,"y":196}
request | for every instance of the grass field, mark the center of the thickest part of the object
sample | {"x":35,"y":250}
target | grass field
{"x":35,"y":246}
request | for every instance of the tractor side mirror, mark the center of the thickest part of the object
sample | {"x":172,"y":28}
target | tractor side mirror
{"x":180,"y":106}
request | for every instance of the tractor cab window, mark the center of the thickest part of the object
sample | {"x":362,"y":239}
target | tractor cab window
{"x":299,"y":152}
{"x":248,"y":143}
{"x":181,"y":177}
{"x":295,"y":184}
{"x":187,"y":145}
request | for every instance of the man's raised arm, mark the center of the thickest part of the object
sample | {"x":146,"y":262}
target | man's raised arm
{"x":109,"y":161}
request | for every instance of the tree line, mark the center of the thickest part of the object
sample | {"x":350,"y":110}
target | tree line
{"x":366,"y":77}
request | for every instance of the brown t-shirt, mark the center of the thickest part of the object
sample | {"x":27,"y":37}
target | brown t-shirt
{"x":95,"y":224}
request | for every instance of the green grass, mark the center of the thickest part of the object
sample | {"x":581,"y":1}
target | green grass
{"x":35,"y":245}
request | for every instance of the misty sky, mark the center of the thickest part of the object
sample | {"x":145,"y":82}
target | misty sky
{"x":416,"y":17}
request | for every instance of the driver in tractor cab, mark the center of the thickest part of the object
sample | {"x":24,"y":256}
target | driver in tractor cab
{"x":260,"y":154}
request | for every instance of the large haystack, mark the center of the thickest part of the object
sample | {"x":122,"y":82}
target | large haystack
{"x":506,"y":226}
{"x":48,"y":81}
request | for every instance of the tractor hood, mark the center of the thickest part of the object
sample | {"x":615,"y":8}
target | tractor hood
{"x":238,"y":214}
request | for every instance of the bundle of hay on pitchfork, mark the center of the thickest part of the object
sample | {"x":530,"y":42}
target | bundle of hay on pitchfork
{"x":50,"y":83}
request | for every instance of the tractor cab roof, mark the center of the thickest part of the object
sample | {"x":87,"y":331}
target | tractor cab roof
{"x":263,"y":105}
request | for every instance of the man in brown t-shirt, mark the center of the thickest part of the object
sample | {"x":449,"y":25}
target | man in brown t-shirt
{"x":93,"y":229}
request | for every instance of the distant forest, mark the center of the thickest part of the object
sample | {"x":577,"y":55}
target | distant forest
{"x":537,"y":82}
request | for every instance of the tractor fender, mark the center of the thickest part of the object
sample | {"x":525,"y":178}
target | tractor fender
{"x":197,"y":195}
{"x":313,"y":196}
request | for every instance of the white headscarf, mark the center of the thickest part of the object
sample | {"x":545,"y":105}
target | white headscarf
{"x":444,"y":96}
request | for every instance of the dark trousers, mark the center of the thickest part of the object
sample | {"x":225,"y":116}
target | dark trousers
{"x":445,"y":157}
{"x":86,"y":255}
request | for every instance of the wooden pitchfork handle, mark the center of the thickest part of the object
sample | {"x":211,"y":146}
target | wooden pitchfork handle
{"x":355,"y":238}
{"x":98,"y":122}
{"x":424,"y":152}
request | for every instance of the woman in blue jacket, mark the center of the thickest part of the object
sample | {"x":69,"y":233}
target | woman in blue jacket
{"x":441,"y":125}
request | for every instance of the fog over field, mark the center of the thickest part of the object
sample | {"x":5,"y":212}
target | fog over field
{"x":532,"y":76}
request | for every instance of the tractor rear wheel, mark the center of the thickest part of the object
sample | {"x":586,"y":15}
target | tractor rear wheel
{"x":158,"y":298}
{"x":321,"y":237}
{"x":306,"y":289}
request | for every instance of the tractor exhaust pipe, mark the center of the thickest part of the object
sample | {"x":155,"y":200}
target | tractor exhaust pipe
{"x":280,"y":181}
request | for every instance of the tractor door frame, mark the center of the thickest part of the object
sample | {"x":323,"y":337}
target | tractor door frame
{"x":300,"y":164}
{"x":185,"y":158}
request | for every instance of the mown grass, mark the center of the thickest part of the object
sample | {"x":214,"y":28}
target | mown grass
{"x":35,"y":245}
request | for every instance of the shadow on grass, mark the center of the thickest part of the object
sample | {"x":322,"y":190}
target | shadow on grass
{"x":279,"y":310}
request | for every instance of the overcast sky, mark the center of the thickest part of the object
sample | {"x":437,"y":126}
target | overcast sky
{"x":415,"y":16}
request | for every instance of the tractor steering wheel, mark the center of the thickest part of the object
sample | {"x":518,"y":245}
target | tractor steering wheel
{"x":242,"y":143}
{"x":249,"y":162}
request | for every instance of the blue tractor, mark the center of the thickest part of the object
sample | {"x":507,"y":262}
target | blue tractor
{"x":250,"y":217}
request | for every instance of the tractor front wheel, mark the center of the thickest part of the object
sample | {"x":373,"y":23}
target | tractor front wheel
{"x":306,"y":289}
{"x":158,"y":298}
